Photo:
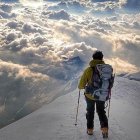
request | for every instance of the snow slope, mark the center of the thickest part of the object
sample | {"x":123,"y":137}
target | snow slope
{"x":55,"y":121}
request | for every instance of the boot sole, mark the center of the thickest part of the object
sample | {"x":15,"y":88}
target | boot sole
{"x":105,"y":136}
{"x":90,"y":134}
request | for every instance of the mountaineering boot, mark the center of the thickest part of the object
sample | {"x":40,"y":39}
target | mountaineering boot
{"x":90,"y":131}
{"x":104,"y":132}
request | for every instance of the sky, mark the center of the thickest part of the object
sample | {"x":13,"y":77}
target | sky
{"x":46,"y":44}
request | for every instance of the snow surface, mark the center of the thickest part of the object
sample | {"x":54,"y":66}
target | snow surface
{"x":55,"y":121}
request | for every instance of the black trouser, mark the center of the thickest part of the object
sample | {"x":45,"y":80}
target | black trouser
{"x":100,"y":109}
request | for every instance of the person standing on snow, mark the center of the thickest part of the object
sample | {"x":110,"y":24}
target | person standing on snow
{"x":100,"y":105}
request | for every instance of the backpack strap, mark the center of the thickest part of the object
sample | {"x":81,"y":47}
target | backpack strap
{"x":92,"y":77}
{"x":95,"y":75}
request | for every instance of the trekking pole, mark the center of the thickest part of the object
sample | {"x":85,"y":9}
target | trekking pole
{"x":77,"y":108}
{"x":110,"y":98}
{"x":108,"y":109}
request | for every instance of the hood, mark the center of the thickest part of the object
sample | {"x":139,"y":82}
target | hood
{"x":93,"y":63}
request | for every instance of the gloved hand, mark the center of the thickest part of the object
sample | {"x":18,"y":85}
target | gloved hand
{"x":80,"y":87}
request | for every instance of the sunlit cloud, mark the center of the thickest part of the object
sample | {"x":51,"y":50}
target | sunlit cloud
{"x":120,"y":65}
{"x":19,"y":71}
{"x":32,"y":3}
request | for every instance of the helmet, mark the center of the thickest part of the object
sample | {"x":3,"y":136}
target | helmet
{"x":98,"y":55}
